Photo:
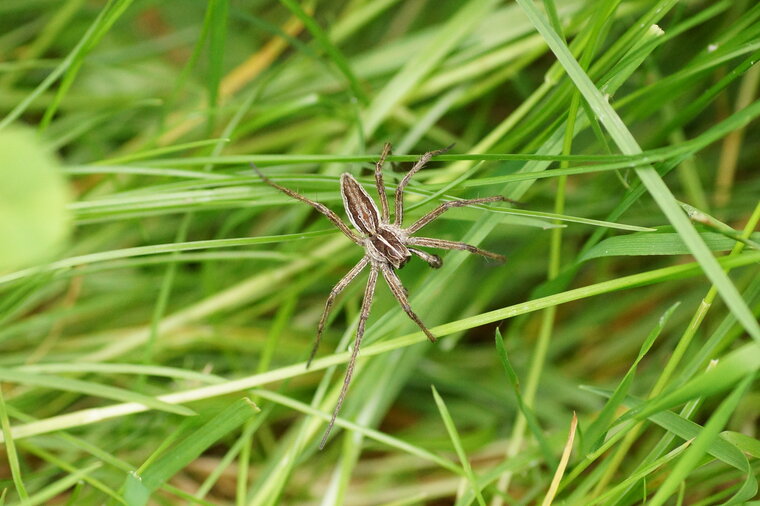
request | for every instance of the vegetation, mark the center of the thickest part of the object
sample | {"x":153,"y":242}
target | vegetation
{"x":158,"y":302}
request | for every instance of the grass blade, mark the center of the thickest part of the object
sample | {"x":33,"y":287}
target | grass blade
{"x":690,"y":459}
{"x":138,"y":488}
{"x":457,"y":442}
{"x":530,"y":416}
{"x":648,"y":175}
{"x":89,"y":388}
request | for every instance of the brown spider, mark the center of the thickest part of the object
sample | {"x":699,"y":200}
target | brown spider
{"x":388,"y":246}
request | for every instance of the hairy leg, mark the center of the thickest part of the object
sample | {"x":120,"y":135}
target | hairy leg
{"x":398,"y":290}
{"x":432,"y":260}
{"x":443,"y":244}
{"x":380,"y":184}
{"x":342,"y":284}
{"x":369,"y":293}
{"x":435,"y":213}
{"x":399,"y":209}
{"x":316,"y":205}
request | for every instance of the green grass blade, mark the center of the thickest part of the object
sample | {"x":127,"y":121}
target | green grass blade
{"x":648,"y":175}
{"x":90,"y":388}
{"x":732,"y":368}
{"x":664,"y":243}
{"x":420,"y":64}
{"x":139,"y":488}
{"x":10,"y":450}
{"x":527,"y":411}
{"x":457,"y":442}
{"x":686,"y":430}
{"x":337,"y":57}
{"x":53,"y":490}
{"x":593,"y":435}
{"x":691,"y":458}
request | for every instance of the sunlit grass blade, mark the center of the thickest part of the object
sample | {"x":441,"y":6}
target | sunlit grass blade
{"x":90,"y":388}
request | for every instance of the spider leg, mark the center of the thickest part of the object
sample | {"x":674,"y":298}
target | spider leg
{"x":435,"y":213}
{"x":379,"y":181}
{"x":443,"y":244}
{"x":433,"y":261}
{"x":369,"y":293}
{"x":329,"y":214}
{"x":342,"y":284}
{"x":399,"y":209}
{"x":398,"y":290}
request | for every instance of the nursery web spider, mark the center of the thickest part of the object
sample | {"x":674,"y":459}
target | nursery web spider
{"x":387,"y":245}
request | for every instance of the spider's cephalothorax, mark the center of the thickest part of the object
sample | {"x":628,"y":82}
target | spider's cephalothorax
{"x":387,"y":245}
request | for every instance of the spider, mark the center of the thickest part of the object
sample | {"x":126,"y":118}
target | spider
{"x":388,"y":246}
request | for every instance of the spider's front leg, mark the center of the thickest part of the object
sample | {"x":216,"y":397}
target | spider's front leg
{"x":380,"y":184}
{"x":399,"y":209}
{"x":435,"y":213}
{"x":329,"y":214}
{"x":432,"y":260}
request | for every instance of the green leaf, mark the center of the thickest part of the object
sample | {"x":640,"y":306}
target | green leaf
{"x":656,"y":244}
{"x":138,"y":488}
{"x":598,"y":427}
{"x":648,"y":175}
{"x":457,"y":442}
{"x":743,"y":442}
{"x":34,"y":221}
{"x":731,"y":369}
{"x":692,"y":456}
{"x":530,"y":417}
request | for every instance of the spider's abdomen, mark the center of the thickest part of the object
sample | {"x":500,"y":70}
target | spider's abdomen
{"x":360,"y":207}
{"x":386,"y":245}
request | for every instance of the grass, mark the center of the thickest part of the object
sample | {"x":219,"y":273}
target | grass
{"x":157,"y":355}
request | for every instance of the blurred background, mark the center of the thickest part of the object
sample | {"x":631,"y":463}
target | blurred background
{"x":158,"y":301}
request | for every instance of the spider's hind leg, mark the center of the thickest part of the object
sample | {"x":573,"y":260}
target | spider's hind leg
{"x":342,"y":284}
{"x":369,"y":293}
{"x":398,"y":290}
